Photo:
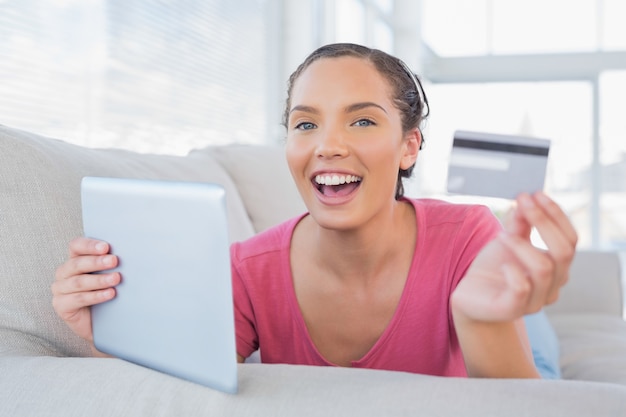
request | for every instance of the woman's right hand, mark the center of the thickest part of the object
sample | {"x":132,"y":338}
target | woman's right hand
{"x":76,"y":289}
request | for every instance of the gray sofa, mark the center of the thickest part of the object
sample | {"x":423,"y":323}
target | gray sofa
{"x":46,"y":371}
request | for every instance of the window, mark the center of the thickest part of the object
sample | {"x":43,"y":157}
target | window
{"x":612,"y":15}
{"x":539,"y":26}
{"x":350,"y":21}
{"x":534,"y":44}
{"x":455,"y":28}
{"x":613,"y":159}
{"x":364,"y":22}
{"x":162,"y":76}
{"x":479,"y":27}
{"x":559,"y":111}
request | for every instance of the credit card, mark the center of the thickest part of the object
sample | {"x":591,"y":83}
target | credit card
{"x":496,"y":165}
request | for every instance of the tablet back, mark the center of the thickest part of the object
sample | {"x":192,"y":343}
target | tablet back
{"x":173,"y":311}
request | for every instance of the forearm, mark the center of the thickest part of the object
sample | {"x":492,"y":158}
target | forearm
{"x":496,"y":349}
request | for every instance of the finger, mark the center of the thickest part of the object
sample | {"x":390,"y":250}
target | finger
{"x":68,"y":305}
{"x":558,"y":216}
{"x":87,"y":246}
{"x":559,"y":235}
{"x":538,"y":268}
{"x":85,"y":264}
{"x":515,"y":223}
{"x":85,"y":283}
{"x":559,"y":242}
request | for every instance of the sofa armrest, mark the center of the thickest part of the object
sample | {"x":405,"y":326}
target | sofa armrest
{"x":594,"y":286}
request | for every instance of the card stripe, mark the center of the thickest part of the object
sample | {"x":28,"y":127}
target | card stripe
{"x":501,"y":147}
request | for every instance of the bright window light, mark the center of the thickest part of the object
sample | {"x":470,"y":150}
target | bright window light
{"x":460,"y":27}
{"x":162,"y":77}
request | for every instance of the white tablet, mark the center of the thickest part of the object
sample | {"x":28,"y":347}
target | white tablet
{"x":173,"y":311}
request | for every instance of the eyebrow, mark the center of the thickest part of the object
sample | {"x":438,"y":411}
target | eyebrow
{"x":306,"y":109}
{"x":348,"y":109}
{"x":359,"y":106}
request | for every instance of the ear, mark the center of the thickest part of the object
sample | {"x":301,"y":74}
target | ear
{"x":412,"y":142}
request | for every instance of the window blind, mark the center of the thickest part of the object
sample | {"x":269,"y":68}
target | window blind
{"x":161,"y":76}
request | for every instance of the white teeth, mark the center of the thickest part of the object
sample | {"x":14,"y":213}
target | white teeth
{"x":336,"y":179}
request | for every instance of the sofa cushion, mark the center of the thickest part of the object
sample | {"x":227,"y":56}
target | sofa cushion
{"x":67,"y":387}
{"x":40,"y":213}
{"x":593,"y":346}
{"x":264,"y":182}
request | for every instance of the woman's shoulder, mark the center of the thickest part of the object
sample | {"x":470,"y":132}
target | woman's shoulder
{"x":443,"y":222}
{"x":447,"y":211}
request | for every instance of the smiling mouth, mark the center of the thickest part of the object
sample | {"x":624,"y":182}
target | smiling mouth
{"x":335,"y":185}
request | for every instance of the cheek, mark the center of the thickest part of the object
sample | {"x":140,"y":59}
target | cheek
{"x":385,"y":159}
{"x":297,"y":156}
{"x":382,"y":150}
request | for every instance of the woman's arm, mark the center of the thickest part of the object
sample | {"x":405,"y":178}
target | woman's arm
{"x":495,"y":349}
{"x":508,"y":279}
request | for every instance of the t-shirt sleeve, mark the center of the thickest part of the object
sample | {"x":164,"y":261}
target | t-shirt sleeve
{"x":479,"y":228}
{"x":245,"y":324}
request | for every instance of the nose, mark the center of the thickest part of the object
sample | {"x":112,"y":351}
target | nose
{"x":332,"y":143}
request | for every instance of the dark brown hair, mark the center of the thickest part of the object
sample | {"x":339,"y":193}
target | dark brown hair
{"x":408,"y":93}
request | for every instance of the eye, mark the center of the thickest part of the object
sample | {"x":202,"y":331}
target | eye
{"x":364,"y":123}
{"x":305,"y":126}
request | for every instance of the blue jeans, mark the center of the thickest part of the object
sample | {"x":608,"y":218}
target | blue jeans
{"x":545,"y":345}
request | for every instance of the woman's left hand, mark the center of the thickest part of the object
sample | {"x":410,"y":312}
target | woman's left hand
{"x":510,"y":277}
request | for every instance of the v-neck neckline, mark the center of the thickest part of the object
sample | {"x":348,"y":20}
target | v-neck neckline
{"x":395,"y":318}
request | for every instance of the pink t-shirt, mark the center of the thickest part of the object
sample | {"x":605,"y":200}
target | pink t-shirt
{"x":420,"y":337}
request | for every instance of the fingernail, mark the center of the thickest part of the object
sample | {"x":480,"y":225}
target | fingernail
{"x":110,"y":279}
{"x":100,"y":246}
{"x":106,"y":294}
{"x":108,"y":260}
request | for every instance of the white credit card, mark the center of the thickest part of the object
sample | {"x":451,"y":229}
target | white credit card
{"x":495,"y":165}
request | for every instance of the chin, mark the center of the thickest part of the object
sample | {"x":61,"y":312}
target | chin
{"x":337,"y":220}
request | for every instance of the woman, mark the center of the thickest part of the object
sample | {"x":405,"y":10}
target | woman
{"x":368,"y":278}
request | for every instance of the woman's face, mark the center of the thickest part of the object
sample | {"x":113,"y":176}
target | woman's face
{"x":345,"y":142}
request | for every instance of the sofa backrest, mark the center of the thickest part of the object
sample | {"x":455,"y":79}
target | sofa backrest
{"x":594,"y":286}
{"x":264,"y":182}
{"x":40,"y":213}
